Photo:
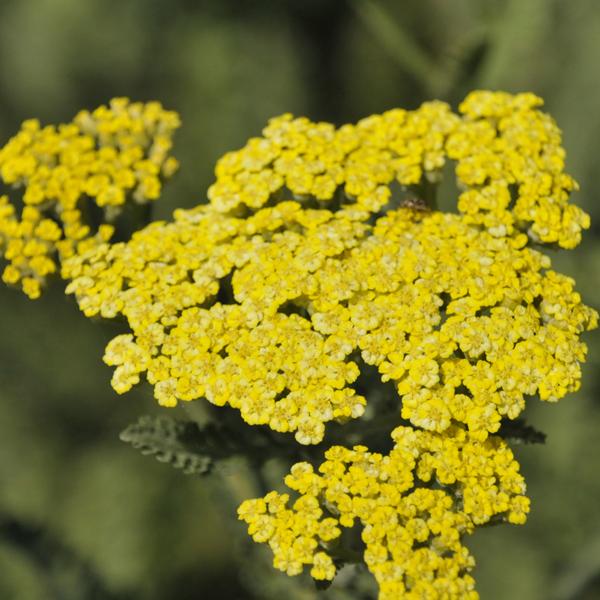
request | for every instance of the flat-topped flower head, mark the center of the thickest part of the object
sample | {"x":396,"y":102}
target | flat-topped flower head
{"x":268,"y":298}
{"x":69,"y":176}
{"x":320,"y":270}
{"x":411,"y":530}
{"x":508,"y":155}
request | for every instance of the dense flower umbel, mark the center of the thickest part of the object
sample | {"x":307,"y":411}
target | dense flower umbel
{"x":509,"y":161}
{"x":411,"y":530}
{"x":455,"y":309}
{"x":318,"y":250}
{"x":102,"y":158}
{"x":466,"y":324}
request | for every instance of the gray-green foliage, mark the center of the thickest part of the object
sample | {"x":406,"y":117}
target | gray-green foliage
{"x":182,"y":444}
{"x":178,"y":443}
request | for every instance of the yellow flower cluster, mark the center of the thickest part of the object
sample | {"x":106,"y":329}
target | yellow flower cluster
{"x":508,"y":154}
{"x":464,"y":323}
{"x":63,"y":173}
{"x":510,"y":159}
{"x":318,"y":252}
{"x":276,"y":368}
{"x":414,"y":506}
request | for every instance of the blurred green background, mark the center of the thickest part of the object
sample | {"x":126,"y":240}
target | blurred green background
{"x":82,"y":515}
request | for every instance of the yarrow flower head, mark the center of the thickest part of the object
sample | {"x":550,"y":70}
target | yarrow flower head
{"x":411,"y":532}
{"x":97,"y":163}
{"x":320,"y":259}
{"x":304,"y":261}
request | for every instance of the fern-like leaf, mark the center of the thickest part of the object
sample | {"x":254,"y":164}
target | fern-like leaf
{"x":182,"y":444}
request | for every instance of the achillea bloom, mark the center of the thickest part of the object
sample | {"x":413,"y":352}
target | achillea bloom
{"x":318,"y":252}
{"x":459,"y":312}
{"x":96,"y":162}
{"x":411,"y":530}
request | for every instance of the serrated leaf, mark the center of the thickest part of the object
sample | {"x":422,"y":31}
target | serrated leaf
{"x":182,"y":444}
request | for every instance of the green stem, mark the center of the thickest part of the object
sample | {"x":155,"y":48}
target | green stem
{"x":400,"y":45}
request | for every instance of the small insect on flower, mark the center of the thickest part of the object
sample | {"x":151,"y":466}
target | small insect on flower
{"x":415,"y":203}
